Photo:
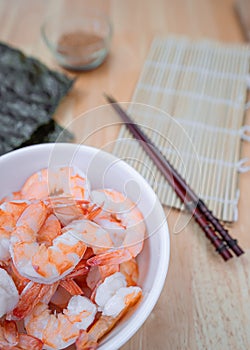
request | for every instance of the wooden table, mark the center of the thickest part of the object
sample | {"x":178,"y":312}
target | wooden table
{"x":205,"y":303}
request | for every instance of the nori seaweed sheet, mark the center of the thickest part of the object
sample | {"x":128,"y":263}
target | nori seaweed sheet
{"x":29,"y":95}
{"x":50,"y":132}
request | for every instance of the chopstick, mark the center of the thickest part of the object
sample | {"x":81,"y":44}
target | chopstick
{"x":203,"y":216}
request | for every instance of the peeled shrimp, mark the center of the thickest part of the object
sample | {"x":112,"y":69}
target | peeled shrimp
{"x":114,"y":299}
{"x":62,"y":186}
{"x":36,"y":186}
{"x":112,"y":293}
{"x":48,"y":235}
{"x":61,"y":330}
{"x":37,"y":262}
{"x":66,"y":181}
{"x":48,"y":264}
{"x":8,"y":293}
{"x":124,"y":222}
{"x":118,"y":214}
{"x":91,"y":234}
{"x":9,"y":213}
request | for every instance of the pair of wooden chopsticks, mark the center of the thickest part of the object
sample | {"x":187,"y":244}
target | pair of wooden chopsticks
{"x":211,"y":226}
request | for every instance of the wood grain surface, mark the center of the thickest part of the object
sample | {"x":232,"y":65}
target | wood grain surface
{"x":205,"y":303}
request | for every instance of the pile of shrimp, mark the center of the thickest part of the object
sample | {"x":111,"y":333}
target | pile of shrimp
{"x":68,"y":269}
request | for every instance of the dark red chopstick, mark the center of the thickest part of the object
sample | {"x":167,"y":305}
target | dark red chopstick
{"x":193,"y":203}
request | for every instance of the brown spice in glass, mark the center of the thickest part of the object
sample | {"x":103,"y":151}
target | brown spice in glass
{"x":77,"y":46}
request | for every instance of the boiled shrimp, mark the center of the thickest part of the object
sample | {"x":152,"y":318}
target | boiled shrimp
{"x":37,"y":262}
{"x":67,"y":181}
{"x":9,"y":213}
{"x":118,"y":214}
{"x":8,"y":293}
{"x":61,"y":330}
{"x":48,"y":264}
{"x":91,"y":234}
{"x":11,"y":339}
{"x":36,"y":186}
{"x":62,"y":186}
{"x":123,"y":220}
{"x":111,"y":295}
{"x":114,"y":299}
{"x":61,"y":240}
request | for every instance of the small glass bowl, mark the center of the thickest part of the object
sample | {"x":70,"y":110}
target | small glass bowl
{"x":78,"y":41}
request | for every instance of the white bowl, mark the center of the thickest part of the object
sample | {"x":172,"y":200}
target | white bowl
{"x":104,"y":170}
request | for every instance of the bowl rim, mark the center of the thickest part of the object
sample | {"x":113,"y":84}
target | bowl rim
{"x":132,"y":327}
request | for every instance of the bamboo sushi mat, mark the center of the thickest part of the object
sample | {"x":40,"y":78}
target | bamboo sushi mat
{"x":202,"y":85}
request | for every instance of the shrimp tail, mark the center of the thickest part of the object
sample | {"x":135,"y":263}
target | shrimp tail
{"x":27,"y":342}
{"x":113,"y":257}
{"x":20,"y":281}
{"x":93,"y":212}
{"x":29,"y":298}
{"x":71,"y":286}
{"x":88,"y":340}
{"x":10,"y":333}
{"x":84,"y":343}
{"x":80,"y":270}
{"x":108,"y":270}
{"x":130,"y":270}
